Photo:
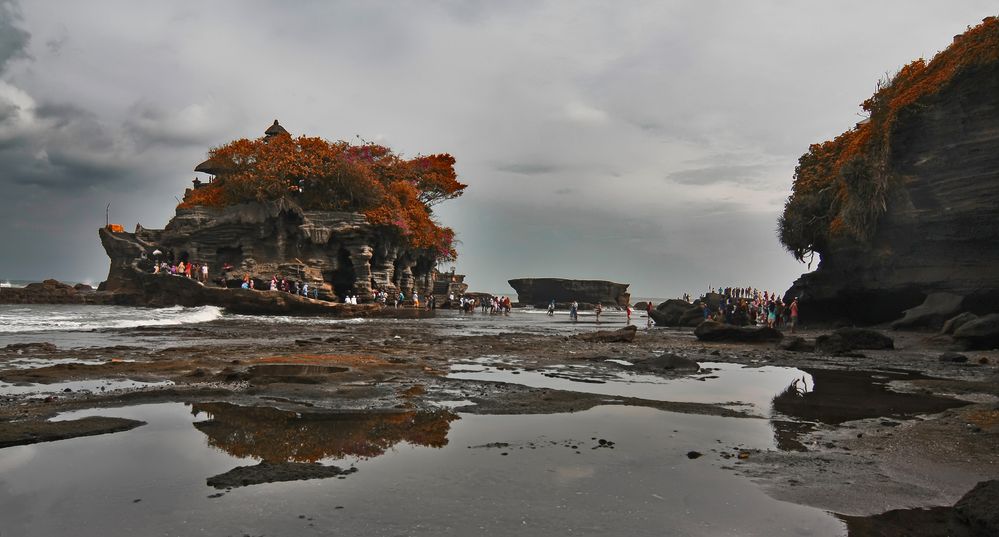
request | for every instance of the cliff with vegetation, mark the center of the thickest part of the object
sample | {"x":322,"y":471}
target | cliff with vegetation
{"x":346,"y":219}
{"x":905,"y":204}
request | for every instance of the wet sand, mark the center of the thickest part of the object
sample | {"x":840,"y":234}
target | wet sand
{"x":857,"y":436}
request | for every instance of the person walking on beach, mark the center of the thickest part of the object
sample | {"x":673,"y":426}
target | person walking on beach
{"x":574,"y":311}
{"x":551,"y":308}
{"x":627,"y":310}
{"x":597,"y":310}
{"x":794,"y":315}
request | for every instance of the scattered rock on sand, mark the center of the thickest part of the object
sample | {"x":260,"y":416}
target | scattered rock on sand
{"x":43,"y":346}
{"x":980,"y":333}
{"x":622,"y":335}
{"x":851,"y":339}
{"x":796,"y":344}
{"x":953,"y":357}
{"x":715,"y":331}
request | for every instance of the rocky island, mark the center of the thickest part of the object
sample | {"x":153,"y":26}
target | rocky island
{"x":905,"y":205}
{"x":538,"y":292}
{"x":345,"y":220}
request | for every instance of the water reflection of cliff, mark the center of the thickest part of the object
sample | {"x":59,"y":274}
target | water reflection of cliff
{"x":275,"y":435}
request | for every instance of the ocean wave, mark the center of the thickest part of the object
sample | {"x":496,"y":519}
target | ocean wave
{"x":47,"y":318}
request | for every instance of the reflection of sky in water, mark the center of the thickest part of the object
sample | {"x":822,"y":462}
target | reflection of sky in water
{"x":644,"y":486}
{"x":754,"y":386}
{"x":93,"y":385}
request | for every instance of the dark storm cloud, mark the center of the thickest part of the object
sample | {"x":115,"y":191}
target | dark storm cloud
{"x":13,"y":39}
{"x":647,"y":143}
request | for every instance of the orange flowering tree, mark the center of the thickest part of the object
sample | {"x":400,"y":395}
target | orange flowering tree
{"x":841,"y":187}
{"x":392,"y":192}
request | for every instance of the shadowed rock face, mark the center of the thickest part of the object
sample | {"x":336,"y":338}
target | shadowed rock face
{"x":940,"y":232}
{"x":539,"y":292}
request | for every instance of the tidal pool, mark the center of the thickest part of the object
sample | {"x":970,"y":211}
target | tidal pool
{"x":716,"y":383}
{"x":611,"y":470}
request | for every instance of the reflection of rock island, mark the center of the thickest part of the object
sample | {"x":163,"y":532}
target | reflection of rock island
{"x":538,"y":292}
{"x":275,"y":435}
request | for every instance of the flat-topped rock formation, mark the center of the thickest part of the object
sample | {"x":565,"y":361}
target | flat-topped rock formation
{"x":907,"y":204}
{"x":539,"y":292}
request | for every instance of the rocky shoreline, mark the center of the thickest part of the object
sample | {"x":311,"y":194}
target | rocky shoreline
{"x":922,"y":438}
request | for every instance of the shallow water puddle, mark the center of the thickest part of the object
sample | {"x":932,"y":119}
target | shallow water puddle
{"x":91,"y":385}
{"x":715,"y":383}
{"x":431,"y":474}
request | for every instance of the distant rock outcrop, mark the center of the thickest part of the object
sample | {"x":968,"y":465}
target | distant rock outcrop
{"x":539,"y":292}
{"x":906,"y":204}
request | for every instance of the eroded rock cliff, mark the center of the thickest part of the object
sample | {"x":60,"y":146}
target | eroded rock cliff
{"x":338,"y":253}
{"x":907,"y":204}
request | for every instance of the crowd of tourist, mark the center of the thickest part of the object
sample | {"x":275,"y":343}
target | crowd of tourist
{"x":749,"y":306}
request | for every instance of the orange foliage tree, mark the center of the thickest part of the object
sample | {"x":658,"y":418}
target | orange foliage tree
{"x":841,"y":187}
{"x":392,"y":192}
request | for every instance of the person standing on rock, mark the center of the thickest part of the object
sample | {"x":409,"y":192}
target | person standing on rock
{"x":648,"y":313}
{"x":794,"y":315}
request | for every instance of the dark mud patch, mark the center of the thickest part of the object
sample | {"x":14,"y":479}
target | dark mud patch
{"x":273,"y":472}
{"x":839,"y":396}
{"x":33,"y":432}
{"x":974,"y":515}
{"x":930,"y":522}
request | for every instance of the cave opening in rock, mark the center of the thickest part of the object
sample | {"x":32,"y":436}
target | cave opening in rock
{"x":343,"y":277}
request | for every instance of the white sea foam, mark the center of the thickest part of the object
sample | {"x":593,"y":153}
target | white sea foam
{"x":48,"y":318}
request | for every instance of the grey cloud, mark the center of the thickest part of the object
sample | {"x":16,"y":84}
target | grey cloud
{"x":13,"y":39}
{"x":733,"y":173}
{"x":527,"y":168}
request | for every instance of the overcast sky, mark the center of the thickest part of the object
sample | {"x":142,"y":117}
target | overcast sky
{"x":651,"y":143}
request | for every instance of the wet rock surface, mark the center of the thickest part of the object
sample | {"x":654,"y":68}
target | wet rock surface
{"x":32,"y":432}
{"x":846,"y":340}
{"x":890,"y":438}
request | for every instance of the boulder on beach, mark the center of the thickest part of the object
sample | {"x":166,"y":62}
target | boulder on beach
{"x":980,"y":333}
{"x":851,"y":339}
{"x":667,"y":362}
{"x":796,"y":344}
{"x":978,"y":508}
{"x":621,"y":335}
{"x":956,"y":322}
{"x":937,"y":308}
{"x":715,"y":331}
{"x":669,"y":313}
